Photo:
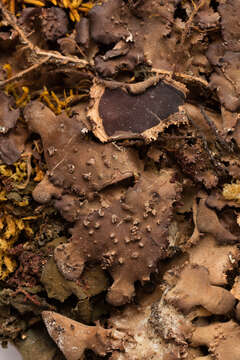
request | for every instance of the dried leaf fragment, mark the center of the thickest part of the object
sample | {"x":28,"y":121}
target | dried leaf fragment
{"x":92,"y":282}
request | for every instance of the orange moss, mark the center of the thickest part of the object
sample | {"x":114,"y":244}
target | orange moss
{"x":20,"y":94}
{"x":59,"y":103}
{"x":75,"y":7}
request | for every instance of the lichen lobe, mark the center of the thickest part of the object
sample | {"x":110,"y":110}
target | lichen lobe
{"x":127,"y":238}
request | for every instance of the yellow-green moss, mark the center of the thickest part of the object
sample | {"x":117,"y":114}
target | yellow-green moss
{"x":12,"y":226}
{"x":232,"y":192}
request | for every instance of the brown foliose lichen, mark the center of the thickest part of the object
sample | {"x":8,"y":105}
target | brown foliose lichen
{"x":119,"y":179}
{"x":128,"y":237}
{"x":74,"y":161}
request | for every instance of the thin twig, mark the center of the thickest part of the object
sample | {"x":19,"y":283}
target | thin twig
{"x":24,"y":72}
{"x":11,"y":19}
{"x":62,"y":58}
{"x":216,"y":132}
{"x":27,"y":296}
{"x":188,"y":24}
{"x":182,"y":76}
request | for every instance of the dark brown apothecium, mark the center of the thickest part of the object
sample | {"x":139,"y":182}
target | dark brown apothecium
{"x":140,"y":110}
